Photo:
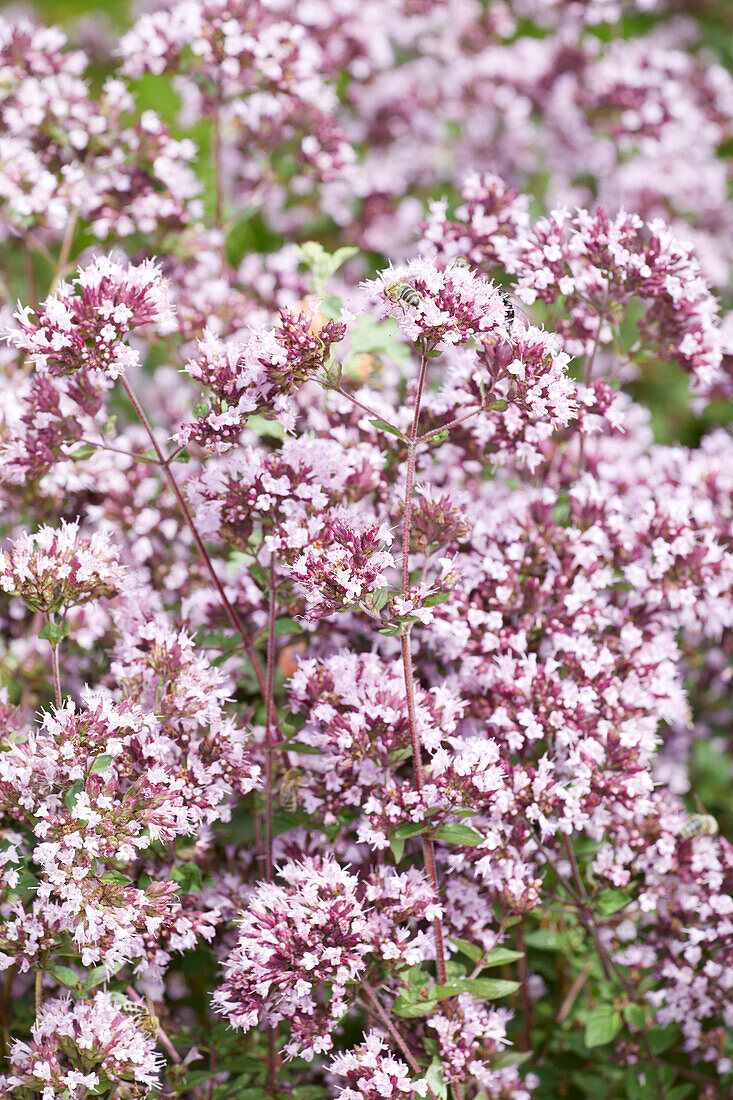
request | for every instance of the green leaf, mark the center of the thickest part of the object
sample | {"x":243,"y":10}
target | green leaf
{"x":610,"y":901}
{"x":303,"y":749}
{"x":100,"y":764}
{"x":412,"y":1009}
{"x":379,"y":598}
{"x":411,"y":828}
{"x":250,"y":234}
{"x":66,"y":976}
{"x":387,"y":428}
{"x":660,"y":1038}
{"x":635,"y":1016}
{"x":471,"y":950}
{"x":434,"y":1078}
{"x":544,"y":939}
{"x":482,"y":988}
{"x":501,"y":956}
{"x":512,"y":1058}
{"x":439,"y":437}
{"x":454,"y":833}
{"x":397,"y":845}
{"x":86,"y":450}
{"x":188,"y":876}
{"x":439,"y":597}
{"x":53,"y":632}
{"x":115,"y":878}
{"x":72,"y":794}
{"x":604,"y":1024}
{"x":100,"y":974}
{"x":287,"y":626}
{"x":261,"y":426}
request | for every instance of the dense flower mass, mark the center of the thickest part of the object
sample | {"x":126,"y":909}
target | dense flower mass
{"x":74,"y":1048}
{"x":366,"y":551}
{"x":83,"y":325}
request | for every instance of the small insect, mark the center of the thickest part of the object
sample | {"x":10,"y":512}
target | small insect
{"x":288,"y":789}
{"x":698,"y":825}
{"x":508,"y":306}
{"x":402,"y":292}
{"x":143,"y":1014}
{"x":457,"y":261}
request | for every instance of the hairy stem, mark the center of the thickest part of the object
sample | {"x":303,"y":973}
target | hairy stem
{"x":526,"y":1035}
{"x":393,"y":1032}
{"x":39,"y":992}
{"x":164,"y":1041}
{"x":56,"y":674}
{"x":417,"y":764}
{"x":269,"y":710}
{"x":217,"y":168}
{"x":231,"y":614}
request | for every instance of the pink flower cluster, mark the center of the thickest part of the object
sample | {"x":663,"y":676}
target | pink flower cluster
{"x":386,"y":712}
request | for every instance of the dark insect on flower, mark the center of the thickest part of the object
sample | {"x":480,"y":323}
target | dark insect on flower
{"x":288,"y":789}
{"x":508,"y":306}
{"x":698,"y":825}
{"x":402,"y":292}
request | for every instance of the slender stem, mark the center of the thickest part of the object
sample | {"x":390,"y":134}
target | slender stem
{"x":417,"y":764}
{"x":571,"y":995}
{"x":393,"y":1032}
{"x":365,"y":408}
{"x":447,"y":427}
{"x":217,"y":167}
{"x":30,"y":274}
{"x":526,"y":1036}
{"x":589,"y":374}
{"x":39,"y":991}
{"x":35,"y":244}
{"x":164,"y":1041}
{"x":272,"y":1060}
{"x":232,"y":615}
{"x":119,"y":451}
{"x":65,"y":252}
{"x":269,"y":709}
{"x":56,"y":674}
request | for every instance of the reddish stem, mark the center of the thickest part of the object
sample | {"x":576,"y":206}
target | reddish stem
{"x":526,"y":1036}
{"x":56,"y":674}
{"x":451,"y":424}
{"x":164,"y":1041}
{"x":230,"y":612}
{"x":417,"y":764}
{"x":269,"y":708}
{"x":393,"y":1032}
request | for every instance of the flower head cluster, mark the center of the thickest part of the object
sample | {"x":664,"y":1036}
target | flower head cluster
{"x":489,"y":217}
{"x":68,"y":154}
{"x":370,"y":1072}
{"x":57,"y":568}
{"x":298,"y":944}
{"x":76,"y":1047}
{"x":597,"y":266}
{"x":438,"y":305}
{"x":84,"y":324}
{"x":253,"y":65}
{"x":257,"y":376}
{"x":345,"y":567}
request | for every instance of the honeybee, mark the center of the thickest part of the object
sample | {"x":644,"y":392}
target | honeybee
{"x":698,"y":825}
{"x":288,"y":789}
{"x":402,"y":292}
{"x":143,"y":1015}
